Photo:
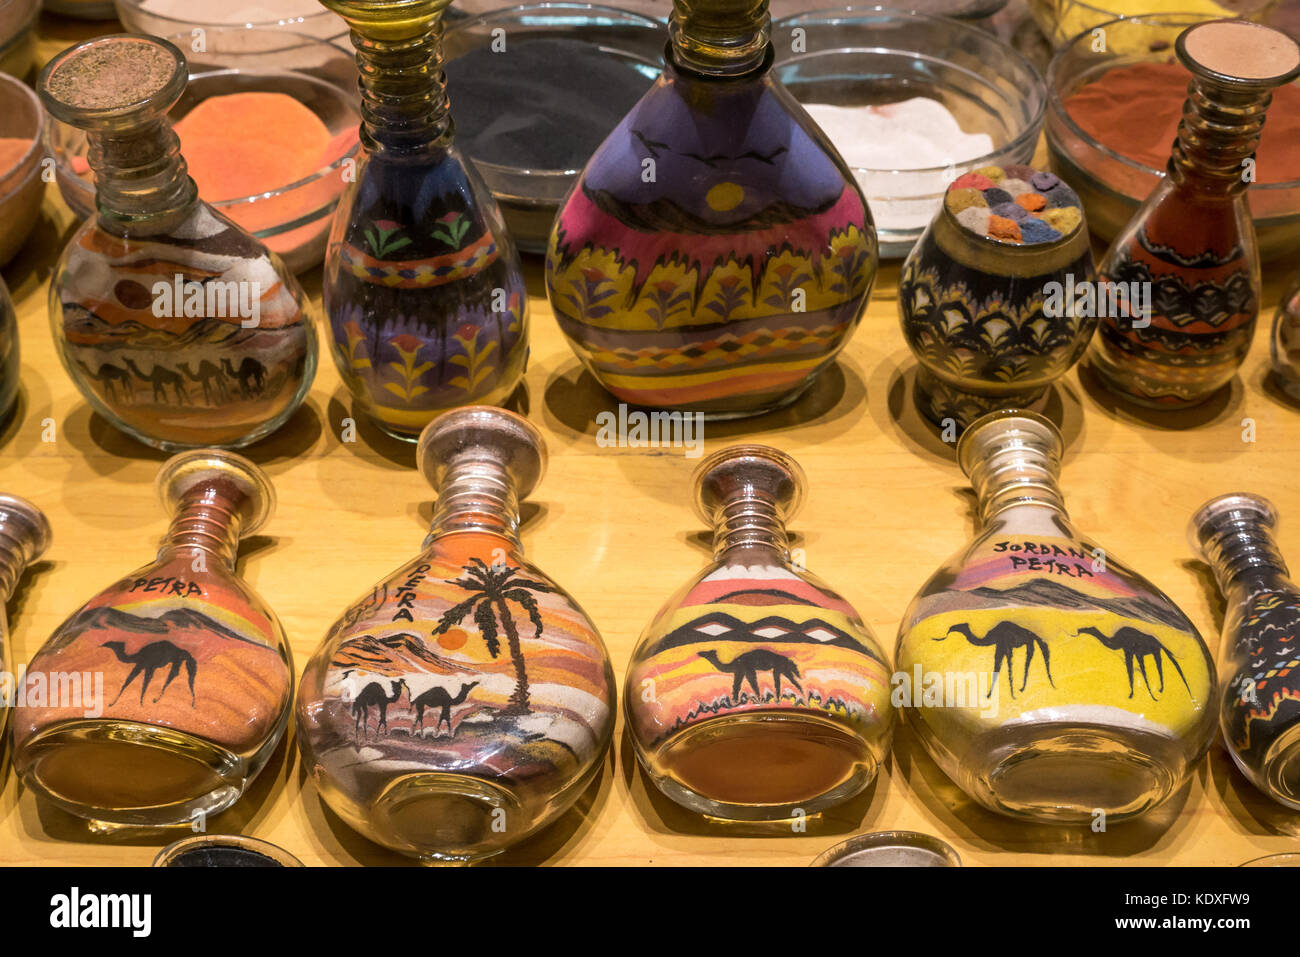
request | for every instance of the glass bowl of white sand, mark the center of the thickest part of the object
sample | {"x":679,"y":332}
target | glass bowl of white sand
{"x":911,"y":102}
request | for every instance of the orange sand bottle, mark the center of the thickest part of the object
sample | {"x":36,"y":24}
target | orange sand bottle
{"x":184,"y":675}
{"x":464,"y":702}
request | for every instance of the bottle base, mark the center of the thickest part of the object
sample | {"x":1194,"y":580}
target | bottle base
{"x":1281,"y":770}
{"x":1067,"y":774}
{"x":1149,"y":393}
{"x":767,"y":766}
{"x":447,"y":818}
{"x":939,"y":402}
{"x":723,"y":410}
{"x":127,"y":774}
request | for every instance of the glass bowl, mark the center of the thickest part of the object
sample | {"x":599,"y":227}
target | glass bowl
{"x":21,"y":185}
{"x":224,"y":850}
{"x":530,"y":192}
{"x":163,"y":18}
{"x":18,"y":35}
{"x":1063,"y":20}
{"x":293,"y":219}
{"x":861,"y":56}
{"x":1111,"y":186}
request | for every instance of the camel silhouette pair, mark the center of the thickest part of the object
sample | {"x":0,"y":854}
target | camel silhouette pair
{"x":1006,"y":636}
{"x":374,"y":696}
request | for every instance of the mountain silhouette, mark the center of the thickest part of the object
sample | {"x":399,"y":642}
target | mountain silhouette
{"x":1044,"y":591}
{"x":369,"y":652}
{"x":783,"y":631}
{"x":175,"y":619}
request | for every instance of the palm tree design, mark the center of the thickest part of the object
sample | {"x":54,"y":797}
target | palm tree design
{"x":1006,"y":637}
{"x":493,"y":587}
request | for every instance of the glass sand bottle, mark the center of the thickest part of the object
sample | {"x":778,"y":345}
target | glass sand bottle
{"x":178,"y":327}
{"x":24,"y":536}
{"x":423,"y":288}
{"x":1189,"y":253}
{"x":716,"y":253}
{"x":1047,"y":679}
{"x":465,"y":701}
{"x":757,"y":691}
{"x":1259,"y":655}
{"x":192,"y":674}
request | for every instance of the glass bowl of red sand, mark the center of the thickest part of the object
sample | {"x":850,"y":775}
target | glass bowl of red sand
{"x":268,"y":126}
{"x":531,"y":119}
{"x":1112,"y":116}
{"x":21,"y":187}
{"x":911,"y":102}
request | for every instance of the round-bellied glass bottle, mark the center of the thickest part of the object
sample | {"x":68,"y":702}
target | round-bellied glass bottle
{"x":1259,"y":709}
{"x":24,"y":536}
{"x":992,"y":295}
{"x":178,"y":327}
{"x":716,"y":253}
{"x":423,"y":289}
{"x":184,"y":673}
{"x":465,"y":701}
{"x":1189,"y":255}
{"x":1108,"y":700}
{"x":757,"y":692}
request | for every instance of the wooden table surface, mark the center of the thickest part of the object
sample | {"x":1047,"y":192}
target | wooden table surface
{"x":886,"y":505}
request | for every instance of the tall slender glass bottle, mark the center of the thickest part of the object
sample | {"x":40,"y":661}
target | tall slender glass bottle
{"x":1046,"y":678}
{"x":757,"y":692}
{"x":1189,"y":252}
{"x":24,"y":536}
{"x":1260,"y":652}
{"x":178,"y":327}
{"x":465,"y":701}
{"x":184,"y":674}
{"x":716,"y":253}
{"x":423,"y":289}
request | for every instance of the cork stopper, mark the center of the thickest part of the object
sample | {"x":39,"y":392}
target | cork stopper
{"x":1015,"y":205}
{"x":113,"y":81}
{"x":241,"y":485}
{"x":487,"y":434}
{"x":748,"y":473}
{"x":1240,"y":53}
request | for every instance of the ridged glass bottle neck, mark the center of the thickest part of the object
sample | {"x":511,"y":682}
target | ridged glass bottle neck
{"x":141,"y":181}
{"x":1219,"y":131}
{"x":748,"y":523}
{"x":1245,"y":557}
{"x":476,"y":496}
{"x":404,"y":106}
{"x":1012,"y":478}
{"x":721,"y":38}
{"x":205,"y":521}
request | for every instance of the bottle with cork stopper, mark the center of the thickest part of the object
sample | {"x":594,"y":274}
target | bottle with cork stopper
{"x":716,"y":253}
{"x":422,"y":288}
{"x":192,"y":675}
{"x":465,"y":702}
{"x":1047,"y":679}
{"x":1258,"y":655}
{"x":757,"y":693}
{"x":24,"y":536}
{"x":177,"y":326}
{"x":1189,"y":254}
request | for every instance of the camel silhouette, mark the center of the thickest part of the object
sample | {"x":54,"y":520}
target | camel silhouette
{"x":150,"y":658}
{"x":211,"y":378}
{"x":1139,"y":645}
{"x":110,"y":376}
{"x":746,"y":667}
{"x":439,"y":698}
{"x":1006,"y":637}
{"x":371,"y":695}
{"x":251,"y":375}
{"x":160,"y":379}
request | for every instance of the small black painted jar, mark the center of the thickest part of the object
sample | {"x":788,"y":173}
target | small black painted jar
{"x":998,"y":298}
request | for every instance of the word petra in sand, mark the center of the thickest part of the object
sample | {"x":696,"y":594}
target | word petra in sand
{"x":945,"y":689}
{"x":1099,"y":300}
{"x":1046,"y":557}
{"x":645,"y":430}
{"x":212,"y":299}
{"x":129,"y":911}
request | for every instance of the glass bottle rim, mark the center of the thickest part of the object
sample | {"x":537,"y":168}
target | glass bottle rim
{"x":184,"y":471}
{"x":498,"y":434}
{"x":1243,"y":506}
{"x":1016,"y":427}
{"x":121,"y":115}
{"x":34,"y":529}
{"x":749,"y":465}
